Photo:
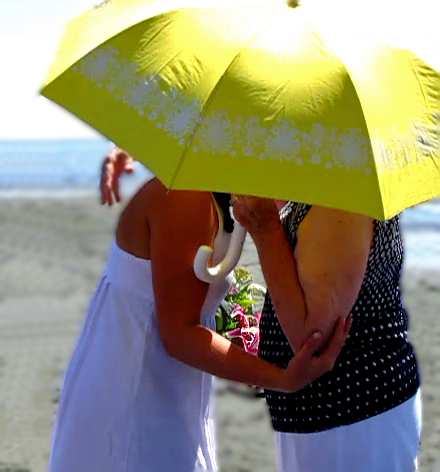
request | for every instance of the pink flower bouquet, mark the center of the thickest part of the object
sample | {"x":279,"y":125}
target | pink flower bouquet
{"x":238,"y":319}
{"x":239,"y":315}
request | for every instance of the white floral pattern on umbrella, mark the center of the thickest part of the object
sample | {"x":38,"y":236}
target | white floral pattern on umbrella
{"x":180,"y":116}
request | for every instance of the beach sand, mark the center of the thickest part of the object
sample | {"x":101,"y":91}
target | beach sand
{"x":52,"y":253}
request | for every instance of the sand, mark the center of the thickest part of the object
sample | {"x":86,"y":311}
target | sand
{"x":52,"y":253}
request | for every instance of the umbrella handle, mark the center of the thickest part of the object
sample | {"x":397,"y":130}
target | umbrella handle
{"x":221,"y":270}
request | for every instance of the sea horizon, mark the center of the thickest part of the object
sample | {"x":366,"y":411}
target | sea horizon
{"x":50,"y":169}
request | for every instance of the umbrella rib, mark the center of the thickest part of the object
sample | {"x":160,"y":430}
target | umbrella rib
{"x":425,"y":99}
{"x":209,"y":100}
{"x":169,"y":61}
{"x":352,"y":81}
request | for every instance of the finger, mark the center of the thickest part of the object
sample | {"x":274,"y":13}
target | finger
{"x":105,"y":193}
{"x":102,"y":185}
{"x":106,"y":197}
{"x":106,"y":170}
{"x":309,"y":347}
{"x":347,"y":326}
{"x":129,"y":167}
{"x":115,"y":188}
{"x":102,"y":192}
{"x":109,"y":197}
{"x":108,"y":190}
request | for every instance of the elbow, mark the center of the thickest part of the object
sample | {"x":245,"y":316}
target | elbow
{"x":178,"y":341}
{"x":170,"y":342}
{"x":323,"y":319}
{"x":325,"y":326}
{"x":170,"y":349}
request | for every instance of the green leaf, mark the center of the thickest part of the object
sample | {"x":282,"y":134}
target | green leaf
{"x":219,"y":324}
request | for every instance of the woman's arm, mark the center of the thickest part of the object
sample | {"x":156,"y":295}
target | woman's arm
{"x":332,"y":256}
{"x":179,"y":223}
{"x":313,"y":287}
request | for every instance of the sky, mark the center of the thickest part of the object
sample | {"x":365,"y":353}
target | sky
{"x":30,"y":31}
{"x":29,"y":36}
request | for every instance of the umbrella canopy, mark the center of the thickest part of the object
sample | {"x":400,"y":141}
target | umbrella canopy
{"x":301,"y":104}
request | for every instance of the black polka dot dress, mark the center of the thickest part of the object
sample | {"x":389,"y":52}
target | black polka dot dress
{"x":376,"y":369}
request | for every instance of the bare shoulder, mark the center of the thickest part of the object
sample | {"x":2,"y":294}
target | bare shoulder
{"x":157,"y":200}
{"x":187,"y":216}
{"x":154,"y":209}
{"x":335,"y":219}
{"x":180,"y":204}
{"x":328,"y":224}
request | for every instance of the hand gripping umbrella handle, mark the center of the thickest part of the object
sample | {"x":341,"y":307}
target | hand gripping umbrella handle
{"x":201,"y":261}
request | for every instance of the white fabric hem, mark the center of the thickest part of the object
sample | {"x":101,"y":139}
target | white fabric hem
{"x":388,"y":442}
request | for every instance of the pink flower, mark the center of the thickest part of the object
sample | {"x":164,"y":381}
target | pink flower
{"x":235,"y":337}
{"x":251,"y":338}
{"x":237,"y":309}
{"x":234,"y":333}
{"x":233,"y":290}
{"x":238,"y":315}
{"x":253,"y":321}
{"x":238,"y":341}
{"x":246,"y":338}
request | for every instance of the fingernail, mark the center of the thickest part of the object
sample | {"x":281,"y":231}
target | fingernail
{"x":316,"y":335}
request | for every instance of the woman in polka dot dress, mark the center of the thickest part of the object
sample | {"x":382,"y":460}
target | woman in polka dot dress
{"x":319,"y":264}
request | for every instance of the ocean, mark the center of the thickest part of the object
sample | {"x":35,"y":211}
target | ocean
{"x":71,"y":168}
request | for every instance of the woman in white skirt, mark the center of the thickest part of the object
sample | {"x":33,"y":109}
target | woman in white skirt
{"x":136,"y":395}
{"x":319,"y":264}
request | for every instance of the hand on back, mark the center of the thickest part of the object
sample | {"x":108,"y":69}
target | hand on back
{"x":311,"y":361}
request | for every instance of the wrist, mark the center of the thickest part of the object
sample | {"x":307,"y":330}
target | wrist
{"x":282,"y":381}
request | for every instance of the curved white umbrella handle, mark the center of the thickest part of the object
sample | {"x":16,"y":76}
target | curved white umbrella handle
{"x":201,"y":261}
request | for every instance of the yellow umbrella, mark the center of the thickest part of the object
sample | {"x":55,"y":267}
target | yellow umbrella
{"x":304,"y":104}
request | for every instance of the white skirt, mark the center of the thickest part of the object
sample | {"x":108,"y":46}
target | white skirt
{"x":126,"y":404}
{"x":388,"y":442}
